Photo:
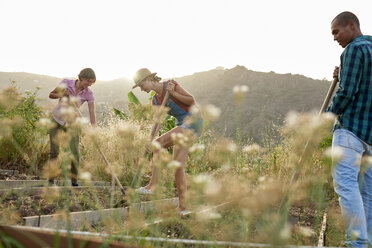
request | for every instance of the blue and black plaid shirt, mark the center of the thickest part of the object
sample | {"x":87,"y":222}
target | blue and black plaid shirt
{"x":352,"y":102}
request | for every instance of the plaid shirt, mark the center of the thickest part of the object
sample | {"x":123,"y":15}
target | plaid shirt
{"x":352,"y":102}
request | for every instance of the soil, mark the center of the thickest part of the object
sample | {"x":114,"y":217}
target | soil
{"x":18,"y":177}
{"x":31,"y":205}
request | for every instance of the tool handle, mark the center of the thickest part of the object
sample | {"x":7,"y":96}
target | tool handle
{"x":329,"y":95}
{"x":156,"y":127}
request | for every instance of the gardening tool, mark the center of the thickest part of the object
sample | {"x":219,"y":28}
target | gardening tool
{"x":154,"y":131}
{"x":104,"y":158}
{"x":296,"y":172}
{"x":329,"y":95}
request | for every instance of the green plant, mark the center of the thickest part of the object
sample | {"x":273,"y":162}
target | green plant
{"x":20,"y":136}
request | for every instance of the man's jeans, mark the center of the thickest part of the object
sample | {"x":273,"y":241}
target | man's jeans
{"x":354,"y":187}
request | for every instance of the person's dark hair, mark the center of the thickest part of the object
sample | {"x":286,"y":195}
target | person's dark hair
{"x":87,"y":73}
{"x":344,"y":18}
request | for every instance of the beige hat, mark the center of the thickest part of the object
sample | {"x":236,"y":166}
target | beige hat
{"x":141,"y":75}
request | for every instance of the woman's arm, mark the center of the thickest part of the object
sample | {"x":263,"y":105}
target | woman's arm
{"x":57,"y":93}
{"x":180,"y":94}
{"x":92,"y":113}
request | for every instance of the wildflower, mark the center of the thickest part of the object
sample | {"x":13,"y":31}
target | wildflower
{"x":174,"y":164}
{"x":306,"y":231}
{"x":208,"y":214}
{"x":239,"y":91}
{"x":212,"y":187}
{"x":81,"y":121}
{"x":328,"y":116}
{"x":197,"y":147}
{"x":9,"y":98}
{"x":231,"y":147}
{"x":46,"y":123}
{"x":292,"y":119}
{"x":355,"y":234}
{"x":251,"y":148}
{"x":155,"y":145}
{"x":261,"y":179}
{"x":74,"y":100}
{"x":211,"y":112}
{"x":334,"y":153}
{"x":127,"y":129}
{"x":86,"y":176}
{"x":201,"y":178}
{"x":285,"y":233}
{"x":194,"y":110}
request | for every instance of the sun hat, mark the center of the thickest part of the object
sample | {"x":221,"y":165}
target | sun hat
{"x":141,"y":75}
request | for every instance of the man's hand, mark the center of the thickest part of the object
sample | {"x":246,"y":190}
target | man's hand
{"x":335,"y":73}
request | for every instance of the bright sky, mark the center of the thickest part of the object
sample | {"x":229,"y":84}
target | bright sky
{"x":172,"y":37}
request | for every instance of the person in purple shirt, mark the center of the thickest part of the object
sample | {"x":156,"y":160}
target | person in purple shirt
{"x":68,"y":88}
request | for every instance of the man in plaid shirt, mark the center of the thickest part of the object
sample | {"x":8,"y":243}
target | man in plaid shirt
{"x":352,"y":134}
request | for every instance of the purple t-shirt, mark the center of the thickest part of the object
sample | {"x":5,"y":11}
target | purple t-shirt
{"x":85,"y":95}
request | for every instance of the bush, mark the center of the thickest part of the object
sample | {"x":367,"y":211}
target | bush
{"x":20,"y":137}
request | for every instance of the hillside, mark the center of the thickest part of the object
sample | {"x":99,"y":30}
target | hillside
{"x":271,"y":96}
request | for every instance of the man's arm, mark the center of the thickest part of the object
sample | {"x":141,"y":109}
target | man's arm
{"x":351,"y":73}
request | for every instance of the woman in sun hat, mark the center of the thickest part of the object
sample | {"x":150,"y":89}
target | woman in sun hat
{"x":179,"y":104}
{"x":68,"y":88}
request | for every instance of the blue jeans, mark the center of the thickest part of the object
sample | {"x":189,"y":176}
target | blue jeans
{"x":354,"y":187}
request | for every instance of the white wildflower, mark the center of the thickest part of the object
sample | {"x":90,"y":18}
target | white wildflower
{"x":355,"y":234}
{"x":81,"y":121}
{"x":285,"y":233}
{"x":86,"y":176}
{"x":208,"y":214}
{"x":74,"y":100}
{"x":155,"y":145}
{"x":174,"y":164}
{"x":261,"y":179}
{"x":292,"y":119}
{"x":334,"y":153}
{"x":61,"y":87}
{"x":231,"y":147}
{"x":45,"y":122}
{"x":197,"y":147}
{"x":212,"y":187}
{"x":201,"y":178}
{"x":240,"y":89}
{"x":251,"y":148}
{"x":306,"y":231}
{"x":211,"y":112}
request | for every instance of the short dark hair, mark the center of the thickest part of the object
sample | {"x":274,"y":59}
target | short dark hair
{"x":345,"y":17}
{"x":87,"y":73}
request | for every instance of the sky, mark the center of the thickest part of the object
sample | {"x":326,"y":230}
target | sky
{"x":172,"y":37}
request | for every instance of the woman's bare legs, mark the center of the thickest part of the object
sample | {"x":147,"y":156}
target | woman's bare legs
{"x":180,"y":155}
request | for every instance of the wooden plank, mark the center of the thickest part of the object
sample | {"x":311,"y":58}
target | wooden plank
{"x":32,"y":237}
{"x":8,"y":184}
{"x":322,"y":230}
{"x":41,"y":190}
{"x":89,"y":218}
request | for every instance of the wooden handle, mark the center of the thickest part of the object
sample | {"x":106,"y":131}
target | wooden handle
{"x":329,"y":95}
{"x":157,"y":125}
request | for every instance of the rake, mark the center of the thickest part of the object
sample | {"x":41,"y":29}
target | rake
{"x":104,"y":158}
{"x":152,"y":136}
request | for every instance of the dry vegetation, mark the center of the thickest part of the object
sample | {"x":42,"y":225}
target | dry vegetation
{"x":276,"y":192}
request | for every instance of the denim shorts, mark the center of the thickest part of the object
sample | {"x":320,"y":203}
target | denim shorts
{"x":196,"y":126}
